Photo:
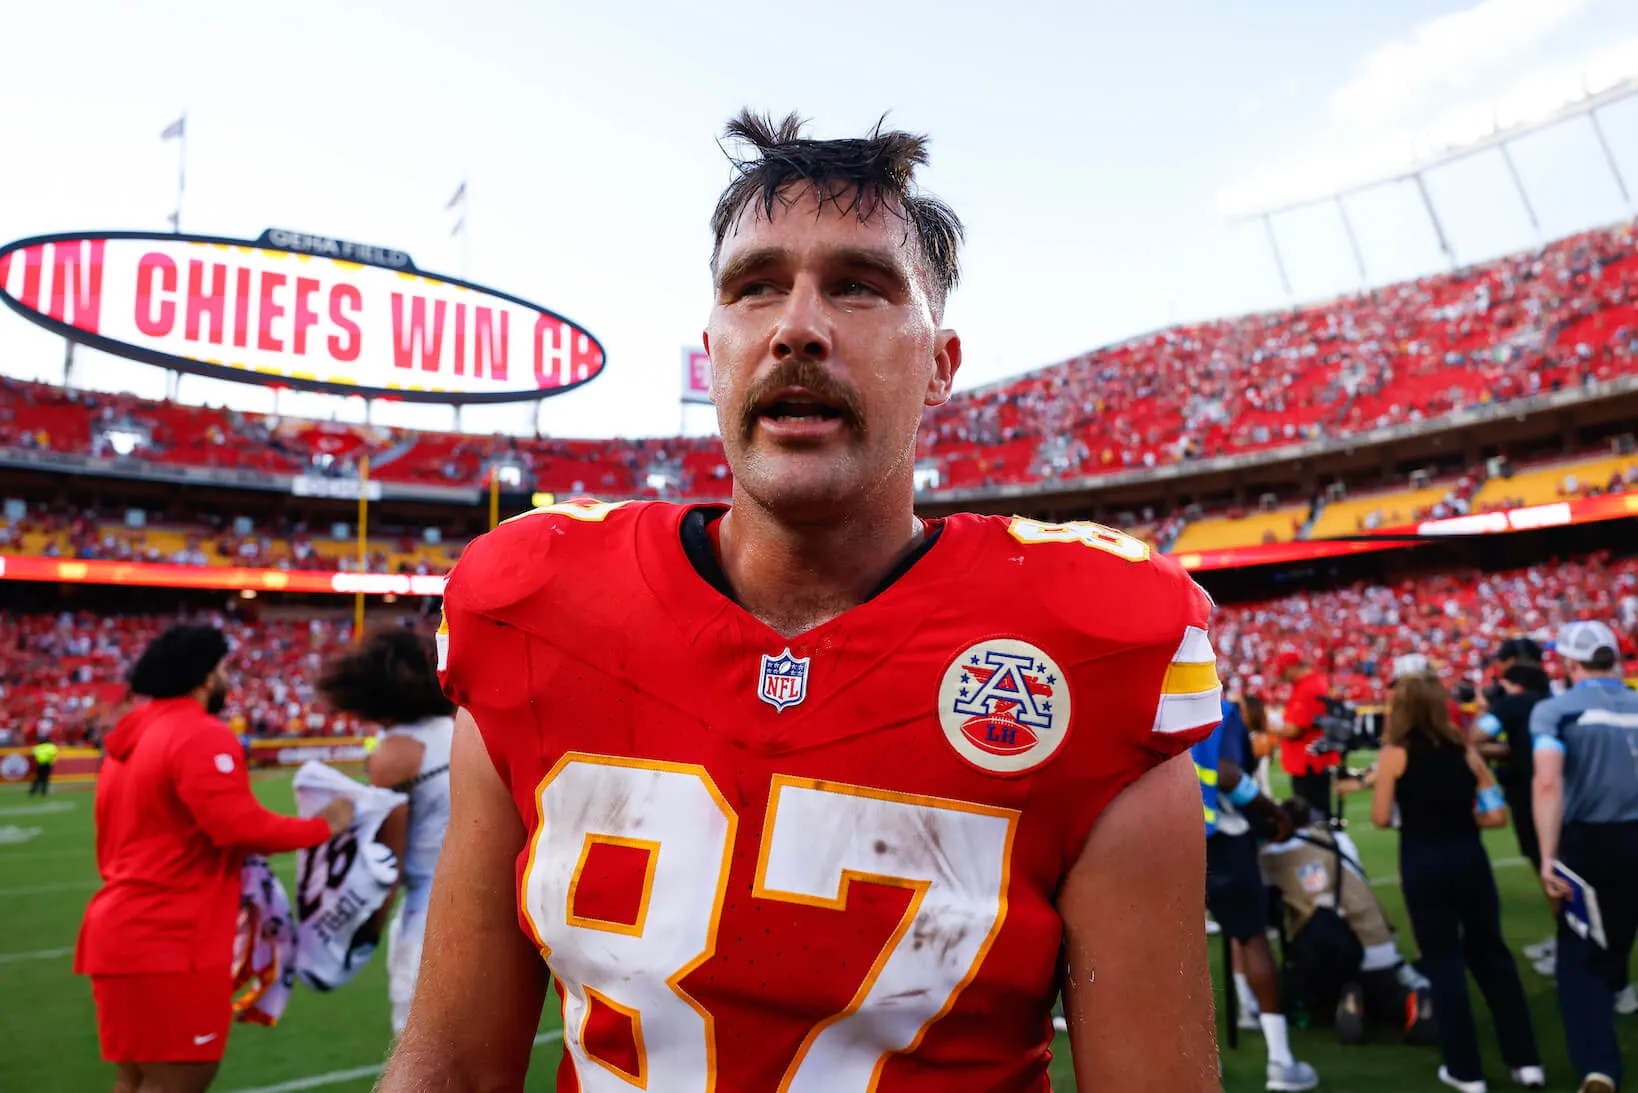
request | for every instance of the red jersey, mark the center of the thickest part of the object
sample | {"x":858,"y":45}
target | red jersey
{"x":175,"y":818}
{"x":1300,"y":709}
{"x":827,"y":862}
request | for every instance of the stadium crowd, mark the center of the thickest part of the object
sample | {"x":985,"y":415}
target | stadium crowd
{"x":60,"y":673}
{"x":1456,"y":620}
{"x":1564,"y":316}
{"x":62,"y":676}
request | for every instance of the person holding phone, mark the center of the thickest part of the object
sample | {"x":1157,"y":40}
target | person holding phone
{"x":1444,"y":793}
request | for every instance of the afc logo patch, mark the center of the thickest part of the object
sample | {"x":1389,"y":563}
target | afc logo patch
{"x":783,"y":680}
{"x":1004,"y":706}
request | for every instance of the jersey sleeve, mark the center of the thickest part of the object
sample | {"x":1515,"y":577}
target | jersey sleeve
{"x":212,"y":781}
{"x":1547,"y":727}
{"x":1189,"y":704}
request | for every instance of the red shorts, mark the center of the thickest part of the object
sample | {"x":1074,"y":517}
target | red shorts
{"x":179,"y":1017}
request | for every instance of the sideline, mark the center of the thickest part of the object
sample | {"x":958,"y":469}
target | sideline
{"x":1499,"y":863}
{"x":39,"y":809}
{"x":39,"y":954}
{"x":335,"y":1077}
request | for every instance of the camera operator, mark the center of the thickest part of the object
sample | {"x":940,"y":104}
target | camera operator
{"x":1235,"y":894}
{"x":1310,"y":770}
{"x":1586,"y":812}
{"x":1433,"y":775}
{"x":1341,"y":955}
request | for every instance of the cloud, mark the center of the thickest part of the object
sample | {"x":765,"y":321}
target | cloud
{"x":1448,"y":52}
{"x":1435,"y":101}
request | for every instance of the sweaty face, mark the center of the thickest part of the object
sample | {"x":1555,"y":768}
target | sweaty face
{"x":824,"y":350}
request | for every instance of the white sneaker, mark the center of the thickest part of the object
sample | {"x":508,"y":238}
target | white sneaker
{"x":1466,"y":1087}
{"x":1294,"y":1077}
{"x":1249,"y":1022}
{"x":1212,"y":929}
{"x":1626,"y":1001}
{"x":1530,"y":1077}
{"x":1547,"y":965}
{"x":1059,"y":1024}
{"x":1541,"y":950}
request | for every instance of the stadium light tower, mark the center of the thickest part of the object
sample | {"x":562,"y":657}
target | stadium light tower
{"x":1499,"y":137}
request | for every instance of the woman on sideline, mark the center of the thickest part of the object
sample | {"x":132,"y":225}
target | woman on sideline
{"x":1429,"y":770}
{"x":392,"y":680}
{"x":175,"y":818}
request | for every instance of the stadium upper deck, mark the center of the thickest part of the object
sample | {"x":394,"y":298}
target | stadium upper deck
{"x":1561,"y":317}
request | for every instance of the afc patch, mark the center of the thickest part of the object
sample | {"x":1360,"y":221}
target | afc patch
{"x":783,"y":680}
{"x":1004,"y":706}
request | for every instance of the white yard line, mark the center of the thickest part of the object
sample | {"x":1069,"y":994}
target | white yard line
{"x":39,"y":809}
{"x":39,"y":954}
{"x":336,"y":1077}
{"x":1499,"y":863}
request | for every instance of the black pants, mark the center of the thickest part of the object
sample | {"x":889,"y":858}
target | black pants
{"x":1456,"y":914}
{"x":1523,"y":811}
{"x":1315,"y":788}
{"x":1606,"y":857}
{"x":42,"y":780}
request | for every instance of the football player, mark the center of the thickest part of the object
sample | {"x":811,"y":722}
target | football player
{"x":806,"y":792}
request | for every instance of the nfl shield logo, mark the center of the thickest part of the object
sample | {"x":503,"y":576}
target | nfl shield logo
{"x":784,"y":680}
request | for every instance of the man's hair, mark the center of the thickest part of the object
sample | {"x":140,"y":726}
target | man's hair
{"x":862,"y":175}
{"x":391,"y":679}
{"x":1603,"y":660}
{"x":178,"y":661}
{"x":1419,"y":716}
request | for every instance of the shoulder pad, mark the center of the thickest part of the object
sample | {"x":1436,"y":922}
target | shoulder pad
{"x":1100,"y":574}
{"x":522,"y":556}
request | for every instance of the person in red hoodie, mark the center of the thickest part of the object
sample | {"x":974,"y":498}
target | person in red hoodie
{"x":175,"y":819}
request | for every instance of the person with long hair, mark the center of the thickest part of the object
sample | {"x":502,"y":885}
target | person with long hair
{"x":391,"y":679}
{"x":1444,"y":793}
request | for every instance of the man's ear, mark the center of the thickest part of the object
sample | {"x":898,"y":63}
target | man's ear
{"x":946,"y":361}
{"x":705,"y":340}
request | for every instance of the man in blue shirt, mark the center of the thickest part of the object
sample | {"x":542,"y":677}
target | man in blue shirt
{"x":1235,"y":893}
{"x":1585,"y":790}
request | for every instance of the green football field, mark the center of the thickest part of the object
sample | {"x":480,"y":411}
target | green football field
{"x":336,"y":1042}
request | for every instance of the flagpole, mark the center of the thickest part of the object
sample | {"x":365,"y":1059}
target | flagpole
{"x":466,"y":234}
{"x":181,"y":172}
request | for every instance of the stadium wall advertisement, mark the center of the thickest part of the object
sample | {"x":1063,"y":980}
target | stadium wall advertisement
{"x":296,"y":310}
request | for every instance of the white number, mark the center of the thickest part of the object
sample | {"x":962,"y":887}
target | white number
{"x":818,"y":839}
{"x":953,"y":856}
{"x":674,"y":809}
{"x":1108,"y":540}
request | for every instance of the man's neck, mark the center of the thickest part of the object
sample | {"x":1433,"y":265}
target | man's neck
{"x":795,"y":578}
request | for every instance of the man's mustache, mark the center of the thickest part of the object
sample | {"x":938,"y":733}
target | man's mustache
{"x":812,"y":377}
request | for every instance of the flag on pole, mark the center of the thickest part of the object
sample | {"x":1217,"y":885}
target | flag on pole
{"x":460,"y":196}
{"x":175,"y":130}
{"x":459,"y":225}
{"x":176,"y":220}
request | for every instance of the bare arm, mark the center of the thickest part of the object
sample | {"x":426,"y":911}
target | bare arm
{"x":397,"y":760}
{"x":1496,"y":817}
{"x":482,"y":982}
{"x":1547,"y":796}
{"x":1390,"y":764}
{"x":1137,"y":989}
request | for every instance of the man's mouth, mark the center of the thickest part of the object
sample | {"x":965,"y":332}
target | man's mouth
{"x":799,"y":407}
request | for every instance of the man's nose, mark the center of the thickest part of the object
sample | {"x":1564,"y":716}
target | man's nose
{"x":804,"y":327}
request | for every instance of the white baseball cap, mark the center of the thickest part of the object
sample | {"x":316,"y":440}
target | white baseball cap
{"x":1411,"y":664}
{"x":1581,"y":641}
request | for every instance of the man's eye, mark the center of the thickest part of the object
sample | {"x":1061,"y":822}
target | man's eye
{"x":854,"y":288}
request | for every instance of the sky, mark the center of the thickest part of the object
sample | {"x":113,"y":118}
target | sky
{"x":1103,"y":155}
